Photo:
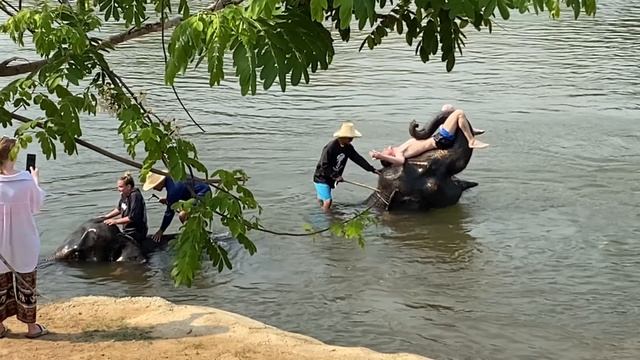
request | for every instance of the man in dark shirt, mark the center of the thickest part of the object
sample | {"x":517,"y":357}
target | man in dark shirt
{"x":176,"y":191}
{"x":333,"y":161}
{"x":131,"y":208}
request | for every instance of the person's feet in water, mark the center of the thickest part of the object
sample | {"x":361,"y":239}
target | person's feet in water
{"x":477,"y":144}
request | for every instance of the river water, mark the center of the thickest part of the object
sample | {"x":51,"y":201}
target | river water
{"x":540,"y":261}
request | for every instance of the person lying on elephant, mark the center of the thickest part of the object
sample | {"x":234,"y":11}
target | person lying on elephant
{"x":176,"y":191}
{"x":443,"y":138}
{"x":131,"y":208}
{"x":333,"y":161}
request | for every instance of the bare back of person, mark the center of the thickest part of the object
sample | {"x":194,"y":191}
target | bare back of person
{"x":443,"y":139}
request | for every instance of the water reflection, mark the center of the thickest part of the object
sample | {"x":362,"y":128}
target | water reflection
{"x":125,"y":274}
{"x":439,"y":234}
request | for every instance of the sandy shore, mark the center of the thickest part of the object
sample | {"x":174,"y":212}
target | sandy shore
{"x":153,"y":328}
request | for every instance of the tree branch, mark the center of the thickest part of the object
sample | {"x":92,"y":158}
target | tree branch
{"x":6,"y":70}
{"x":12,"y":70}
{"x":113,"y":156}
{"x":221,"y":4}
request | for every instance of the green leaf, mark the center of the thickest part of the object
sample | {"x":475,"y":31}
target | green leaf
{"x":346,"y":8}
{"x":490,"y":8}
{"x":317,"y":9}
{"x":504,"y":10}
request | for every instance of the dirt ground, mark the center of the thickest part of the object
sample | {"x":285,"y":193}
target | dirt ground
{"x":153,"y":328}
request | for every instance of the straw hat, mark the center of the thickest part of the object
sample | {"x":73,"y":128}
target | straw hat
{"x":347,"y":130}
{"x":153,"y":179}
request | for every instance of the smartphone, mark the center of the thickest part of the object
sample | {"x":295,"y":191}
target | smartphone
{"x":31,"y":161}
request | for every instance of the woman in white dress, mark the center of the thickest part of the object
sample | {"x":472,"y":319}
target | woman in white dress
{"x":20,"y":199}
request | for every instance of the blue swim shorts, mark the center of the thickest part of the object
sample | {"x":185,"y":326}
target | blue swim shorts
{"x":443,"y":138}
{"x":323,"y":191}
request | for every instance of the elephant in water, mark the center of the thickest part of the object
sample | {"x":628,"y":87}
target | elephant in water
{"x":427,"y":180}
{"x":95,"y":241}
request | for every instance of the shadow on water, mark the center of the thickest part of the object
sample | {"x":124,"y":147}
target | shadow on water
{"x":123,"y":273}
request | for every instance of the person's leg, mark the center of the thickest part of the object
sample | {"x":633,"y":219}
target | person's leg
{"x":26,"y":304}
{"x":326,"y":205}
{"x":323,"y":194}
{"x":5,"y":288}
{"x":458,"y":119}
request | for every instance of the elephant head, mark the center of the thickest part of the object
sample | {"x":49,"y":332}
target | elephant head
{"x":425,"y":181}
{"x":94,"y":241}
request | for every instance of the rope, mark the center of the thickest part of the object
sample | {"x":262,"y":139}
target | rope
{"x":361,"y":185}
{"x":377,"y":192}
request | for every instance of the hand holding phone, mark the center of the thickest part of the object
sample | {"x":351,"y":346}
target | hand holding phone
{"x":31,"y":161}
{"x":31,"y":164}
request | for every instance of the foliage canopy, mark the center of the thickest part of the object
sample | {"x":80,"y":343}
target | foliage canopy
{"x":269,"y":41}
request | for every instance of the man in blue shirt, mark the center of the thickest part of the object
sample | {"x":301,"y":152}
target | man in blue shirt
{"x":176,"y":191}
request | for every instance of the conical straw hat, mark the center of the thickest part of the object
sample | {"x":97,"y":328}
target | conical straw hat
{"x":347,"y":130}
{"x":152,"y":180}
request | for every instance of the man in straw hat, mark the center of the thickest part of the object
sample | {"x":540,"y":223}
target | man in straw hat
{"x":333,"y":160}
{"x":176,"y":191}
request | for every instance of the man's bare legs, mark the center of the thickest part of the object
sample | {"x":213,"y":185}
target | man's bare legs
{"x":325,"y":204}
{"x":458,"y":119}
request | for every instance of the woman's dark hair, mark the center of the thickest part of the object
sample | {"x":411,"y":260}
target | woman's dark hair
{"x":128,"y":179}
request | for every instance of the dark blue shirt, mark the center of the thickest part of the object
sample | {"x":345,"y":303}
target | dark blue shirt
{"x":177,"y":191}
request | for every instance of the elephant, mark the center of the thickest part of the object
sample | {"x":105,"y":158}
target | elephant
{"x":428,"y":180}
{"x":95,"y":241}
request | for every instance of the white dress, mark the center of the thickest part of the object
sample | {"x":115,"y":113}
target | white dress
{"x":20,"y":200}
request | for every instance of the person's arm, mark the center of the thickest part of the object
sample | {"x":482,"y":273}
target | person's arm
{"x":114,"y":212}
{"x":36,"y":198}
{"x":201,"y":189}
{"x":168,"y":217}
{"x":358,"y":159}
{"x":120,"y":221}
